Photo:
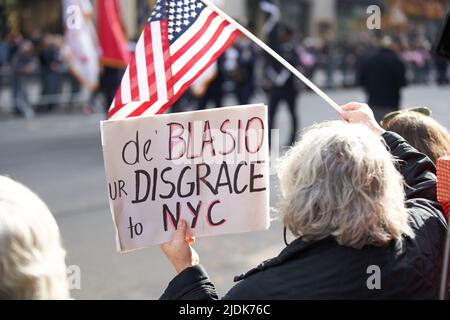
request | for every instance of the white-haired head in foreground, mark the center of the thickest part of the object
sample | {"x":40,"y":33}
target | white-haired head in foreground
{"x":339,"y":180}
{"x":31,"y":255}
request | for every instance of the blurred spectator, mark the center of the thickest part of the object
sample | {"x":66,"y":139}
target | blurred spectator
{"x":382,"y":76}
{"x":213,"y":87}
{"x":51,"y":68}
{"x":36,"y":38}
{"x":328,"y":58}
{"x":182,"y":104}
{"x":231,"y":65}
{"x":4,"y":51}
{"x":244,"y":74}
{"x":14,"y":40}
{"x":417,"y":58}
{"x":441,"y":65}
{"x":308,"y":57}
{"x":110,"y":79}
{"x":348,"y":63}
{"x":23,"y":63}
{"x":281,"y":84}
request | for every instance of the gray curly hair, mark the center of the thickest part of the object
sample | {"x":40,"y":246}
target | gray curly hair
{"x":339,"y":180}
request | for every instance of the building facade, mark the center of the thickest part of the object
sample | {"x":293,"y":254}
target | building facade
{"x":317,"y":18}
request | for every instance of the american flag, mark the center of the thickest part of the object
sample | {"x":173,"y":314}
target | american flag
{"x":181,"y":39}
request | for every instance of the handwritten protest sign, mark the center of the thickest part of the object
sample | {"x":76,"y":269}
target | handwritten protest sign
{"x":207,"y":167}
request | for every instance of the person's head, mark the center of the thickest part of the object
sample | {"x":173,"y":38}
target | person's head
{"x":26,"y":47}
{"x":47,"y":41}
{"x":339,"y":180}
{"x":421,"y":131}
{"x":286,"y":33}
{"x":31,"y":255}
{"x":386,"y":42}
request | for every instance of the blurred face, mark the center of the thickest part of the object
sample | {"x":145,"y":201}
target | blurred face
{"x":47,"y":42}
{"x":396,"y":47}
{"x":27,"y":47}
{"x":287,"y":36}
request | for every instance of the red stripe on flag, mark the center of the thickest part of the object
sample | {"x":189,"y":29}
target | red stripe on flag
{"x":200,"y":53}
{"x":118,"y":98}
{"x":151,"y":79}
{"x":195,"y":38}
{"x":143,"y":107}
{"x":134,"y":85}
{"x":117,"y":102}
{"x":148,"y":45}
{"x":167,"y":58}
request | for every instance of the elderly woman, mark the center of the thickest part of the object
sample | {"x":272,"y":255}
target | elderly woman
{"x":364,"y":229}
{"x":31,"y":256}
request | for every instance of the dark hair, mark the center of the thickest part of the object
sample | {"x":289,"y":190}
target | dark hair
{"x":422,"y":132}
{"x":285,"y":30}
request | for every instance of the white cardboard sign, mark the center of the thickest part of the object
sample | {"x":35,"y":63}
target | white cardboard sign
{"x":209,"y":167}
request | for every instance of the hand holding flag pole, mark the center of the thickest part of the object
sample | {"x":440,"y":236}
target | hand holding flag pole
{"x":274,"y":54}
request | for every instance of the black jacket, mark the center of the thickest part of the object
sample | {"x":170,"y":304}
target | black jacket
{"x":410,"y":268}
{"x":382,"y":76}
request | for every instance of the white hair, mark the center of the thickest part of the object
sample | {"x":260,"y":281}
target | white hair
{"x":32,"y":262}
{"x":340,"y":180}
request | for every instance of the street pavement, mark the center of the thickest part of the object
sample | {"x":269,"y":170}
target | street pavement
{"x":59,"y":156}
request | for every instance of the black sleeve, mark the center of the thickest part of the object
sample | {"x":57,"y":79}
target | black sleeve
{"x":419,"y":173}
{"x":245,"y":290}
{"x":191,"y":284}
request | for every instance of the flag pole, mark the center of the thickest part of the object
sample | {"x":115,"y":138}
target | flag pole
{"x":274,"y":54}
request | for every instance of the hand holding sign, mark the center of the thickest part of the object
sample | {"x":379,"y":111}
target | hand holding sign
{"x":209,"y":168}
{"x":179,"y":251}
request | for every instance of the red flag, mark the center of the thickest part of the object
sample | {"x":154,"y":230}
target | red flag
{"x":180,"y":41}
{"x":111,"y":34}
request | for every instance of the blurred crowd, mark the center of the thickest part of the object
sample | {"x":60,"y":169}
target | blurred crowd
{"x":37,"y":60}
{"x":243,"y":71}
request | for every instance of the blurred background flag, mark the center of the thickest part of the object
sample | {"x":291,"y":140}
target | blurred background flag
{"x":111,"y":34}
{"x":81,"y":46}
{"x":272,"y":19}
{"x":181,"y":39}
{"x":144,"y":7}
